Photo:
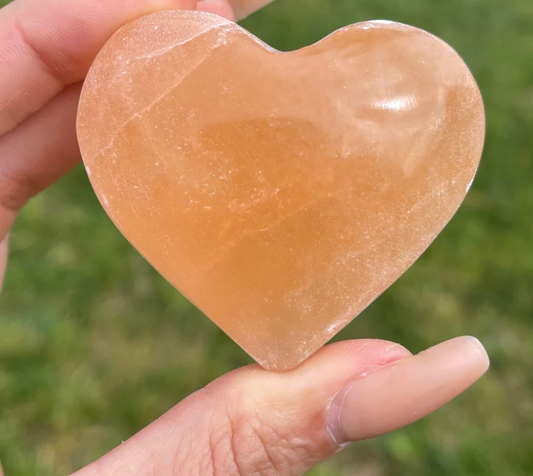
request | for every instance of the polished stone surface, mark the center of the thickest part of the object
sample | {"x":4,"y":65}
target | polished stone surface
{"x":280,"y":192}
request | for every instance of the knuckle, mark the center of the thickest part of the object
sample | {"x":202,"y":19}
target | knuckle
{"x":48,"y":60}
{"x":251,"y":444}
{"x":15,"y":191}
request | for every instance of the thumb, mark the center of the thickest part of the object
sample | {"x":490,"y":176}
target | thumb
{"x":256,"y":422}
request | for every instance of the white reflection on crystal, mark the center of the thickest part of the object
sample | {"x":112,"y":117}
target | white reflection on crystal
{"x":399,"y":103}
{"x":381,"y":22}
{"x":469,"y":185}
{"x":376,"y":24}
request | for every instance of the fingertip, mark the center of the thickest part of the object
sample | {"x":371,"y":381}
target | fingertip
{"x":478,"y":351}
{"x":465,"y":356}
{"x":336,"y":364}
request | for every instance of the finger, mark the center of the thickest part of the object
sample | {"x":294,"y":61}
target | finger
{"x":47,"y":45}
{"x":37,"y":153}
{"x":252,"y":421}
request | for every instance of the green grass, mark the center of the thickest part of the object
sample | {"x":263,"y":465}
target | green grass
{"x":94,"y":344}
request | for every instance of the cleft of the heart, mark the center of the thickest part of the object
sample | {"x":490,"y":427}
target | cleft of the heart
{"x":280,"y":192}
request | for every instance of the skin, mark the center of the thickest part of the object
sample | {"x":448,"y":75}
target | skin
{"x":250,"y":421}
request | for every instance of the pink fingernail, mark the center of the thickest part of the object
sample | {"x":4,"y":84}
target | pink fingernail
{"x":405,"y":391}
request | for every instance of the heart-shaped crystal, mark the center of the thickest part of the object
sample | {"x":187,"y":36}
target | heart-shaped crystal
{"x":280,"y":192}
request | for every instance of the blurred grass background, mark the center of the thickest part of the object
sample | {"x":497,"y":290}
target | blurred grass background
{"x":94,"y":344}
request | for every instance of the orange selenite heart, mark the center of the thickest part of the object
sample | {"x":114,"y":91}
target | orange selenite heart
{"x":280,"y":192}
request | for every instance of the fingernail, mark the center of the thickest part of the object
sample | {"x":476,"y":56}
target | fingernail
{"x":217,"y":7}
{"x":406,"y":390}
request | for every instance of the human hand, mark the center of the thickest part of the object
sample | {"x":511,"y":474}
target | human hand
{"x":250,"y":421}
